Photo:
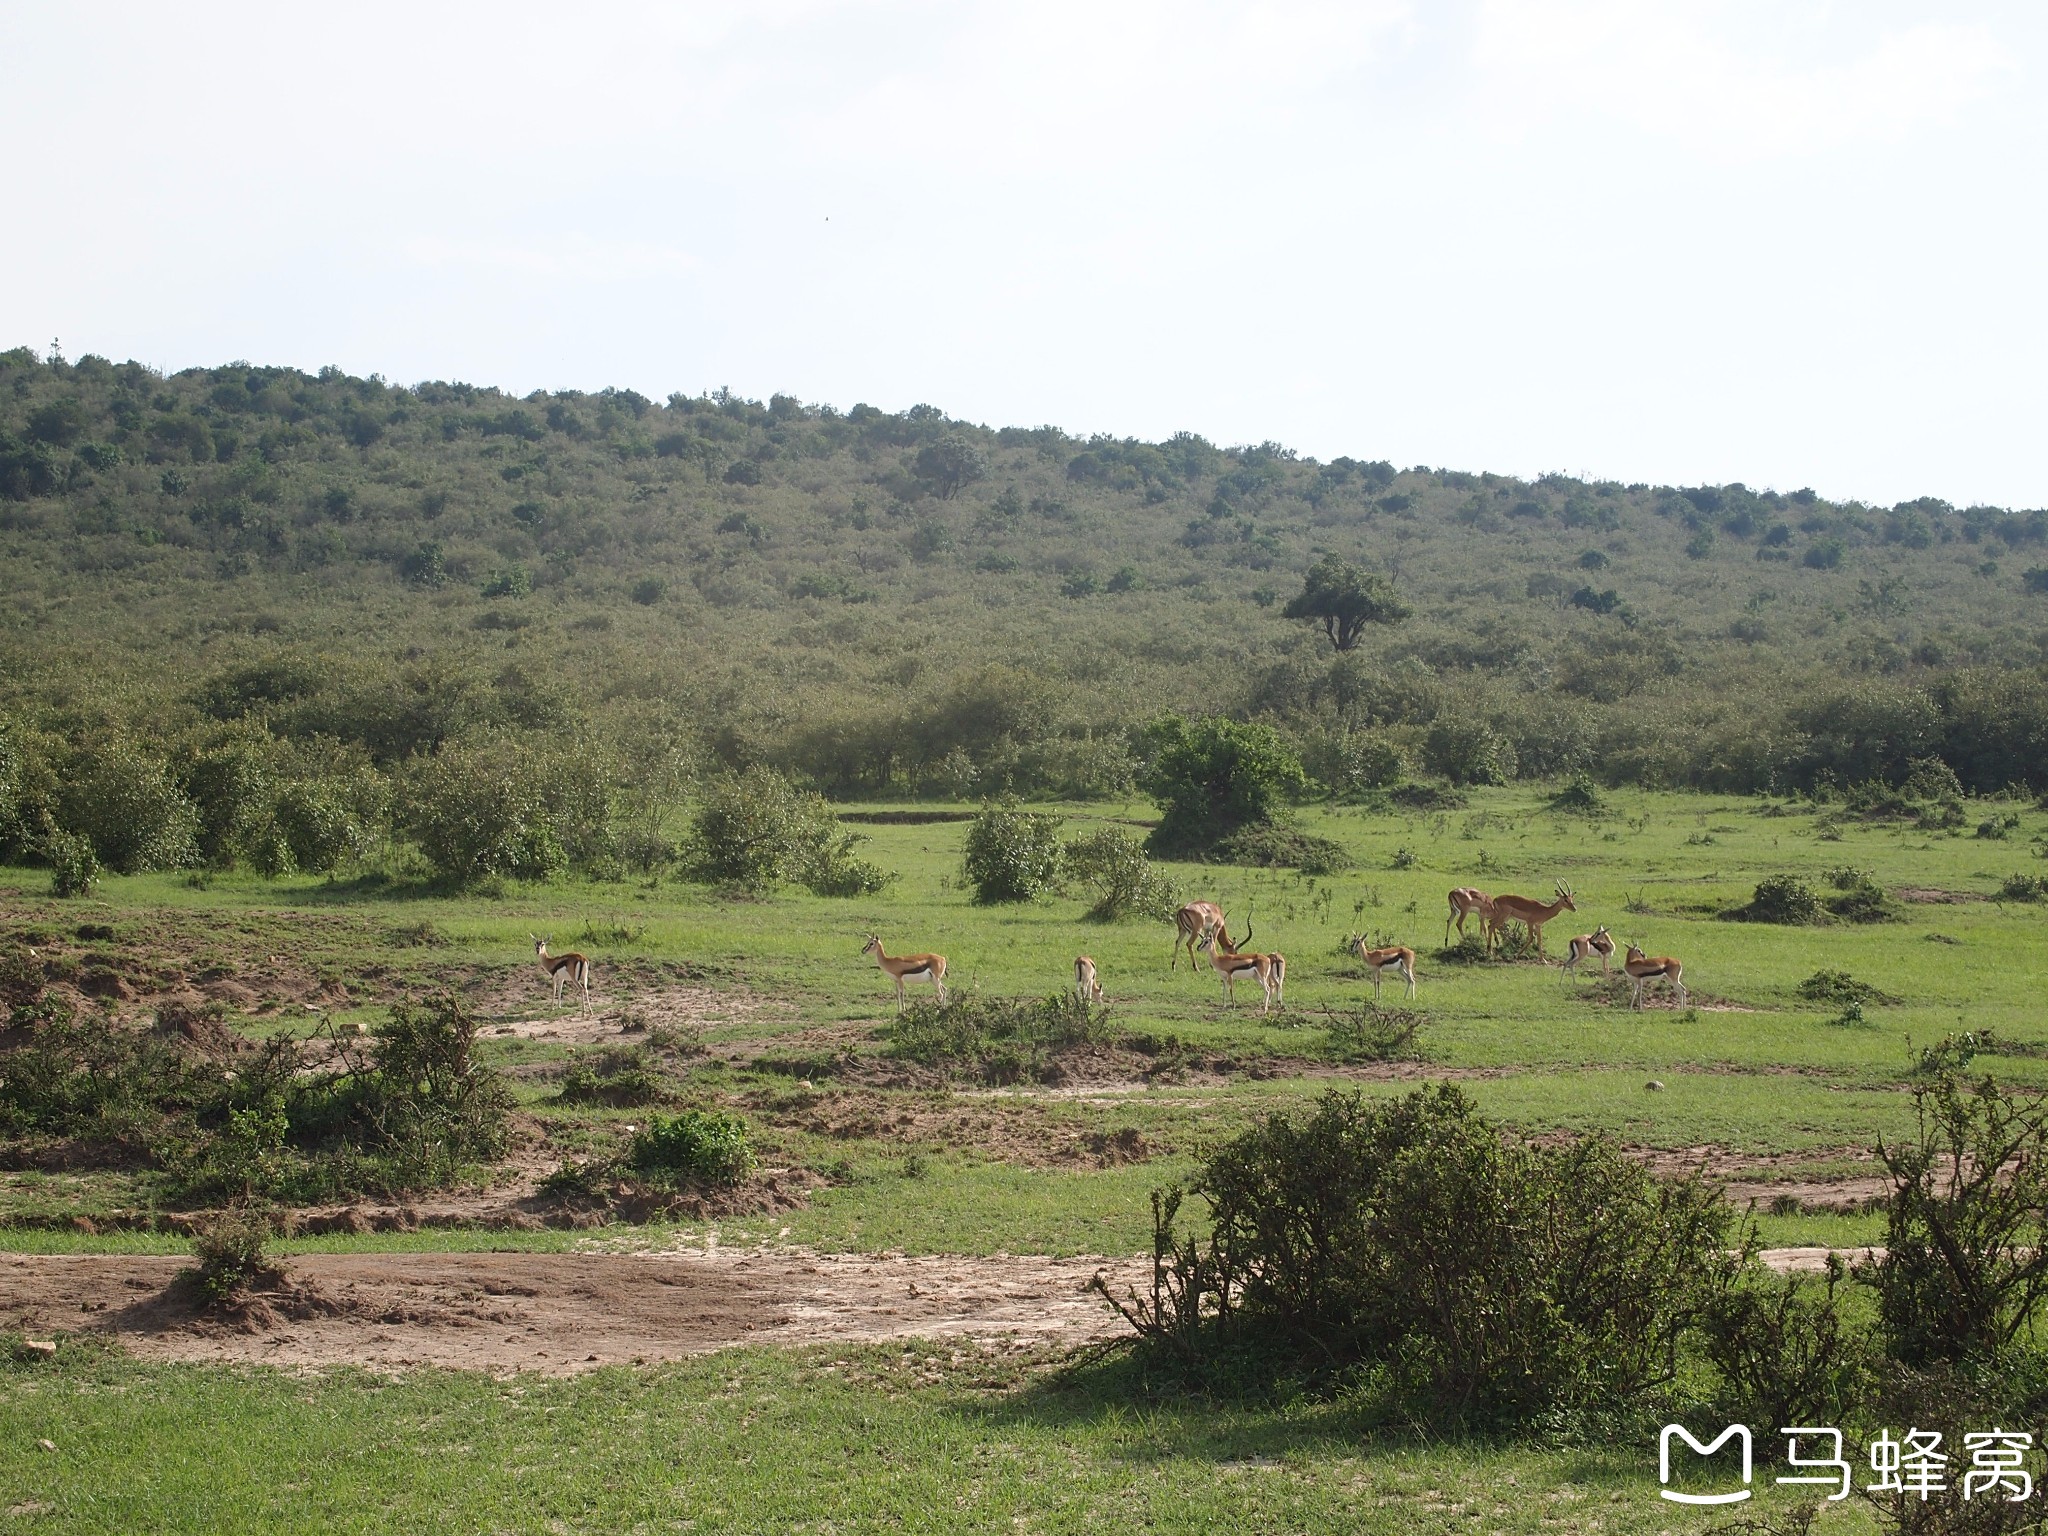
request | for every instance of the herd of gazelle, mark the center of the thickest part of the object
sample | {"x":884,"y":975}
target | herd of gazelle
{"x":1201,"y":925}
{"x":1496,"y":912}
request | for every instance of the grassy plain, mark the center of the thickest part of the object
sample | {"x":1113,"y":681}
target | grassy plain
{"x":1758,"y":1084}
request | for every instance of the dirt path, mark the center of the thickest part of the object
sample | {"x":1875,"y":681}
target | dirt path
{"x":558,"y":1313}
{"x":563,"y":1313}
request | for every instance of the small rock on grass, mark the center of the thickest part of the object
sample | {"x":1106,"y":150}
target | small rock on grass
{"x":1654,"y":1086}
{"x":40,"y":1346}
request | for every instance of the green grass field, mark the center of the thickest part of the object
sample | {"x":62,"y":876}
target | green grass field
{"x":1756,"y":1083}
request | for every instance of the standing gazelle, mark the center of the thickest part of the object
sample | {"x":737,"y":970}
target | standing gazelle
{"x":564,"y":968}
{"x":1643,"y":969}
{"x":901,"y":968}
{"x":1190,"y":923}
{"x":1087,"y":986}
{"x":1587,"y":944}
{"x":1397,"y":956}
{"x":1270,"y":971}
{"x":1529,"y":912}
{"x":1465,"y":901}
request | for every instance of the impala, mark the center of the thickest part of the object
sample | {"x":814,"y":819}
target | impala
{"x":1643,"y":969}
{"x":1190,"y":923}
{"x":901,"y":968}
{"x":1087,"y":986}
{"x":1527,"y":911}
{"x":1465,"y":901}
{"x":564,"y":968}
{"x":1399,"y":957}
{"x":1595,"y":943}
{"x":1270,"y":971}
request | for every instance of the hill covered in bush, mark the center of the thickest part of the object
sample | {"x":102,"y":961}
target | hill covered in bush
{"x":361,"y":583}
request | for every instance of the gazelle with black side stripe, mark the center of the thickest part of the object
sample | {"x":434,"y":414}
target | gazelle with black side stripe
{"x":1270,"y":971}
{"x":902,"y":968}
{"x":1643,"y":969}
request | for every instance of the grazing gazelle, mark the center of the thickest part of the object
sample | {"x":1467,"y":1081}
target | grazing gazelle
{"x":1087,"y":986}
{"x":1643,"y":969}
{"x":1465,"y":901}
{"x":1270,"y":971}
{"x":1595,"y":943}
{"x":1190,"y":923}
{"x":564,"y":968}
{"x":1529,"y":912}
{"x":1398,"y":956}
{"x":902,"y":967}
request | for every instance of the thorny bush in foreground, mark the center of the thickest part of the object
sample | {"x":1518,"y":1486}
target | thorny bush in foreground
{"x":1485,"y":1282}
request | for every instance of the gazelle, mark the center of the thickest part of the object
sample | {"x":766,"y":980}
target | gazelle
{"x":564,"y":968}
{"x":1398,"y":956}
{"x":1270,"y":971}
{"x":1465,"y":901}
{"x":1595,"y":943}
{"x":1643,"y":969}
{"x":1190,"y":923}
{"x":1527,"y":911}
{"x":1087,"y":986}
{"x":901,"y":968}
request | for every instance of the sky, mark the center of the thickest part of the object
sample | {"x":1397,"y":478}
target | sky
{"x":1785,"y":242}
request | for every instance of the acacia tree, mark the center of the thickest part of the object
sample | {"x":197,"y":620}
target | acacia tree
{"x":1344,"y":598}
{"x":950,"y":465}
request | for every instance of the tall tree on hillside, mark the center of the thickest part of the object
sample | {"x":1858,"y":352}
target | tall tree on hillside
{"x":1344,"y":598}
{"x":950,"y":465}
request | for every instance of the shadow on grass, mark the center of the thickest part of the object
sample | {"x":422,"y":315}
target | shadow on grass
{"x":1159,"y":1417}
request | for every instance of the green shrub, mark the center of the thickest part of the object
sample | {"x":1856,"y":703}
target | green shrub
{"x":1860,"y":898}
{"x":757,"y":830}
{"x":1579,"y":797}
{"x":1272,"y":845}
{"x":1485,"y":1282}
{"x":1113,"y":866}
{"x":2023,"y":887}
{"x":498,"y":807}
{"x":1212,"y":776}
{"x":122,"y":798}
{"x":429,"y":1103}
{"x":1371,"y":1033}
{"x":74,"y":867}
{"x":1965,"y":1267}
{"x":1013,"y":854}
{"x":621,"y":1079}
{"x":230,"y":1253}
{"x":1782,"y":899}
{"x":1840,"y":987}
{"x":703,"y":1146}
{"x":1469,"y":751}
{"x":1786,"y":1352}
{"x":996,"y":1039}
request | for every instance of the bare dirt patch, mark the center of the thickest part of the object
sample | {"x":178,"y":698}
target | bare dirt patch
{"x":1022,"y":1132}
{"x":559,"y":1313}
{"x":1752,"y":1179}
{"x":1928,"y":895}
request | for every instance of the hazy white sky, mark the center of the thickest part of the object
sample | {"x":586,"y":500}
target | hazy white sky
{"x":1781,"y":241}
